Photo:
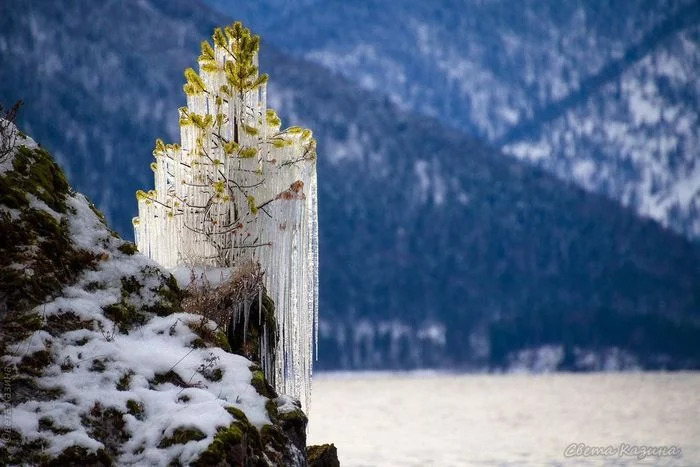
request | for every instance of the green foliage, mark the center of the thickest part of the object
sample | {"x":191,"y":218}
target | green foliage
{"x":251,"y":204}
{"x":125,"y":381}
{"x":135,"y":408}
{"x":240,"y":47}
{"x":247,"y":153}
{"x":128,"y":248}
{"x":194,"y":84}
{"x":272,"y":119}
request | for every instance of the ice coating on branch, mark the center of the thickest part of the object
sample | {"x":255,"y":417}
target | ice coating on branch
{"x":237,"y":190}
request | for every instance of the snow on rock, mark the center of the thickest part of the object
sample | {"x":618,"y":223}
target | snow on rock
{"x":99,"y":365}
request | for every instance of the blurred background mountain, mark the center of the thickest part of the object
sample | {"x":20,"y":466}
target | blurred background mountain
{"x":502,"y":185}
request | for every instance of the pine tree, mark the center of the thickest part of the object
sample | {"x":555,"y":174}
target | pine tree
{"x":239,"y":189}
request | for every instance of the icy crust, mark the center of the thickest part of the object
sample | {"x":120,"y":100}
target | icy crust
{"x":106,"y":369}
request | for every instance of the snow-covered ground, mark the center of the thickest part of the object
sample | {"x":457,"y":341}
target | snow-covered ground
{"x":125,"y":374}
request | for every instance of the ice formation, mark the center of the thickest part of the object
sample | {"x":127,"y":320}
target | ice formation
{"x":237,"y":190}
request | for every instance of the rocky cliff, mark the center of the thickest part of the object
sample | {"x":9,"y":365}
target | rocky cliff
{"x":99,"y":363}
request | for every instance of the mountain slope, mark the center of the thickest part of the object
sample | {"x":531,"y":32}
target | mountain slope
{"x":553,"y":83}
{"x":432,"y":243}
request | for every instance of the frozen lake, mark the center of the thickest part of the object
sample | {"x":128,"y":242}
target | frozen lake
{"x":382,"y":419}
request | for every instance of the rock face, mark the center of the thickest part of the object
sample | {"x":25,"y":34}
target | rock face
{"x":325,"y":455}
{"x":245,"y":339}
{"x":100,"y":365}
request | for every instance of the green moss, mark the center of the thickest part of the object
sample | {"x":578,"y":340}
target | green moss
{"x":182,"y":435}
{"x":221,"y":341}
{"x":66,"y":322}
{"x":125,"y":381}
{"x":98,"y":365}
{"x":34,"y":172}
{"x":94,"y":285}
{"x":169,"y":377}
{"x":225,"y":449}
{"x":207,"y":336}
{"x":271,"y":408}
{"x":128,"y":248}
{"x":108,"y":427}
{"x":271,"y":434}
{"x":135,"y":408}
{"x":322,"y":455}
{"x":17,"y":327}
{"x":198,"y":343}
{"x":170,"y":296}
{"x":79,"y":456}
{"x":47,"y":424}
{"x":82,"y":341}
{"x":258,"y":381}
{"x":292,"y":416}
{"x":125,"y":315}
{"x":14,"y":450}
{"x":130,"y":285}
{"x":35,"y":363}
{"x":34,"y":237}
{"x":238,"y":414}
{"x":117,"y":312}
{"x":41,"y":243}
{"x":214,"y":375}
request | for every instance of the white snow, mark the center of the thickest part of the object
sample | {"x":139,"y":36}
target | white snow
{"x":36,"y":203}
{"x":163,"y":344}
{"x":19,"y":139}
{"x":88,"y":363}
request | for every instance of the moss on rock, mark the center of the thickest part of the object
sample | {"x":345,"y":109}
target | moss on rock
{"x":34,"y":237}
{"x":169,"y":377}
{"x":107,"y":425}
{"x":226,"y":448}
{"x":260,"y":384}
{"x":65,"y":322}
{"x":48,"y":424}
{"x":35,"y":363}
{"x":135,"y":408}
{"x":206,"y":336}
{"x":128,"y":248}
{"x":324,"y":455}
{"x":15,"y":450}
{"x":38,"y":260}
{"x":182,"y":435}
{"x":78,"y":456}
{"x":125,"y":381}
{"x":36,"y":173}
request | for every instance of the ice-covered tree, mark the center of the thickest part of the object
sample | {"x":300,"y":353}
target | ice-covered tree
{"x":238,"y":190}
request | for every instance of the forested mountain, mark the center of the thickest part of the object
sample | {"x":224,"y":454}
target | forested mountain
{"x":436,"y":248}
{"x":601,"y":93}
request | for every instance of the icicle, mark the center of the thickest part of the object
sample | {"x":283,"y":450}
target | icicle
{"x":246,"y":313}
